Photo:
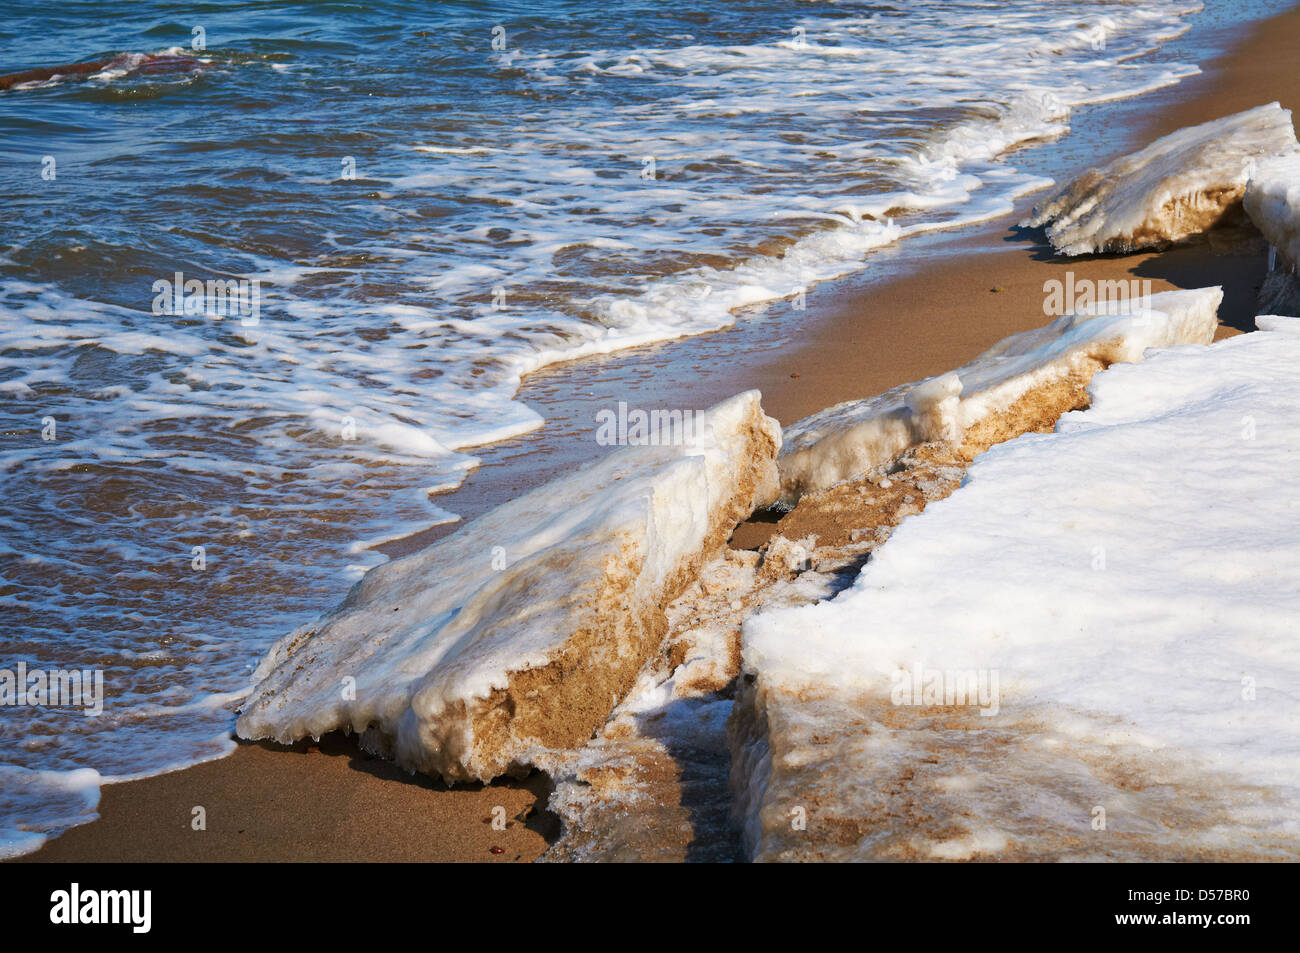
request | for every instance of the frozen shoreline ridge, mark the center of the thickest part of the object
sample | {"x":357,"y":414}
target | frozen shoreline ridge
{"x":517,"y":635}
{"x":624,"y":795}
{"x":1127,"y":587}
{"x":508,"y":643}
{"x":1047,"y":365}
{"x":1175,"y":188}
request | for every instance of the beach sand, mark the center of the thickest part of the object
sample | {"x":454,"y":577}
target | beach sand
{"x":332,"y":802}
{"x":311,"y":802}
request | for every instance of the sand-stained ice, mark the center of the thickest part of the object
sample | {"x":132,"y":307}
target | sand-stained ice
{"x":517,"y":635}
{"x":1045,"y":366}
{"x":1177,"y":187}
{"x":1088,"y":651}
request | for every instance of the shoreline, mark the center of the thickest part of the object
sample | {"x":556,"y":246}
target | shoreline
{"x":262,"y":804}
{"x":872,"y":341}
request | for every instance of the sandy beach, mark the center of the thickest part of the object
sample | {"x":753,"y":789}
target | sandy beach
{"x":977,"y":285}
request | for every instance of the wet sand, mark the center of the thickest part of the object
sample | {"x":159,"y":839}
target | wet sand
{"x":318,"y":802}
{"x":975,"y":286}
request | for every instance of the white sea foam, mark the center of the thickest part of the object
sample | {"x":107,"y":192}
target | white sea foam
{"x":35,"y":805}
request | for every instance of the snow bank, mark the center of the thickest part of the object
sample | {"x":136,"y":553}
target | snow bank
{"x":1176,"y":187}
{"x":1089,"y":651}
{"x":1273,"y":204}
{"x":1034,"y":374}
{"x":519,"y":634}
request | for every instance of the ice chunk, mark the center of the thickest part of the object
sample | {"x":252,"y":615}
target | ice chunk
{"x":1177,"y":187}
{"x":1088,"y":651}
{"x":1273,"y":204}
{"x":520,"y":633}
{"x":1045,"y":370}
{"x":1284,"y":324}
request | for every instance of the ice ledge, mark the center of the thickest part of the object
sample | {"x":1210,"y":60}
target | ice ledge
{"x":1050,"y":365}
{"x":517,"y":635}
{"x":1177,"y":187}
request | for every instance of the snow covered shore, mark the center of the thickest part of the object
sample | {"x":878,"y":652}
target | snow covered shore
{"x":622,"y":796}
{"x":1177,"y":187}
{"x":1087,"y":652}
{"x":509,"y":643}
{"x":517,"y":635}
